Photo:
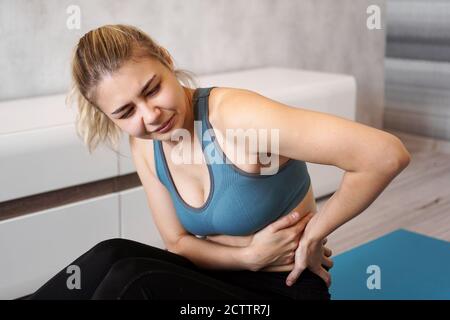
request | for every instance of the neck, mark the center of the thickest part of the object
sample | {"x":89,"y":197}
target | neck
{"x":188,"y":119}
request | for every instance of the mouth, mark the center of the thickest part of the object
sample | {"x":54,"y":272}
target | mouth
{"x":166,"y":126}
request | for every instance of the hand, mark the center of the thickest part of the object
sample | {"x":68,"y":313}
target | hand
{"x":291,"y":266}
{"x":275,"y":245}
{"x":235,"y":241}
{"x":311,"y":254}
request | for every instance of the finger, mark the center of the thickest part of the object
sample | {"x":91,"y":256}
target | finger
{"x":293,"y":276}
{"x":290,"y":257}
{"x":327,"y":252}
{"x":278,"y":268}
{"x":301,"y":223}
{"x":285,"y":221}
{"x":296,"y":238}
{"x":300,"y":226}
{"x":325,"y":275}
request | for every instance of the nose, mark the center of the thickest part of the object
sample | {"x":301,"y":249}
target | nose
{"x":150,"y":115}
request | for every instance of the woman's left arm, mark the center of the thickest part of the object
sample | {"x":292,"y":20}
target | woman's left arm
{"x":358,"y":189}
{"x":371,"y":158}
{"x":356,"y":192}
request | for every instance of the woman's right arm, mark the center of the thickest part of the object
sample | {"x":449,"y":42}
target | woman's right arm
{"x":234,"y":241}
{"x":272,"y":246}
{"x":211,"y":255}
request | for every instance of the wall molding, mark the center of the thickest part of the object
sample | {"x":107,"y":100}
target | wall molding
{"x":42,"y":201}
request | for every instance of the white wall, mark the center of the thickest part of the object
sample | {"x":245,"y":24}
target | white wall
{"x":204,"y":37}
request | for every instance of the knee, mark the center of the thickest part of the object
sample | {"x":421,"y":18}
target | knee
{"x":125,"y":273}
{"x":133,"y":266}
{"x":112,"y":244}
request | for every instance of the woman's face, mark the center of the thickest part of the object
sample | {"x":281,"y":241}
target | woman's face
{"x":141,"y":96}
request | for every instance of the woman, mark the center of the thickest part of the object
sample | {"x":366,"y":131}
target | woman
{"x":262,"y":234}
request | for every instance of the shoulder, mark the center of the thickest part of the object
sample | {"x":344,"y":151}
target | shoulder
{"x":245,"y":101}
{"x":225,"y":103}
{"x":221,"y":95}
{"x":247,"y":109}
{"x":142,"y":149}
{"x":247,"y":112}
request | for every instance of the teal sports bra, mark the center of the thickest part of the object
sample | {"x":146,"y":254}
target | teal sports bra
{"x":239,"y":203}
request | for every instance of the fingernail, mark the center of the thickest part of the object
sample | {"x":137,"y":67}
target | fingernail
{"x":295,"y":215}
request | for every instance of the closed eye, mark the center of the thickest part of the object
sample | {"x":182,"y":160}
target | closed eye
{"x":126,"y":114}
{"x":149,"y":94}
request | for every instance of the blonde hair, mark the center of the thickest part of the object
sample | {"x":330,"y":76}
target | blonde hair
{"x":100,"y":52}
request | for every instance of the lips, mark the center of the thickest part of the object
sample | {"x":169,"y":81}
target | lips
{"x":164,"y":124}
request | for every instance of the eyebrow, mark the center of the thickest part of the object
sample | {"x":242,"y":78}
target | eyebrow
{"x":147,"y":84}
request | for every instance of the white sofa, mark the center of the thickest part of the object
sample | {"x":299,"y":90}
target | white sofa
{"x":40,"y":152}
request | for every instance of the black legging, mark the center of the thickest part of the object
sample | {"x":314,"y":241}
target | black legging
{"x":125,"y":269}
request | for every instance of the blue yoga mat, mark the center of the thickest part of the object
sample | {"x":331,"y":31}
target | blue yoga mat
{"x":398,"y":266}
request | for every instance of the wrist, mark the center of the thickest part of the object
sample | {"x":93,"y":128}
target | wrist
{"x":311,"y":241}
{"x":312,"y":234}
{"x":246,"y":257}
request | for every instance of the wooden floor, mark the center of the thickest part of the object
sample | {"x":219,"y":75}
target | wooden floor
{"x":417,"y":200}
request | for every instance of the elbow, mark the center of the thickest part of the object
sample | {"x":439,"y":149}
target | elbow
{"x":172,"y":249}
{"x":395,"y":157}
{"x":404,"y":160}
{"x":175,"y":246}
{"x":402,"y":155}
{"x":399,"y":163}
